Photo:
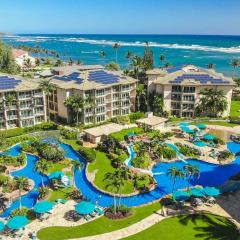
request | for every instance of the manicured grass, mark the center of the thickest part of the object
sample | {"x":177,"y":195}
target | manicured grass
{"x":120,"y":135}
{"x":235,"y":106}
{"x":189,"y":227}
{"x":99,"y":226}
{"x":59,"y":194}
{"x":220,"y":123}
{"x":103,"y":165}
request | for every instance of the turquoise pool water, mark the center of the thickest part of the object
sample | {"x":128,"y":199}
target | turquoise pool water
{"x":211,"y":175}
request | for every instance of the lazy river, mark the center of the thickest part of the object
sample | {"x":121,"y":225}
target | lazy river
{"x":211,"y":175}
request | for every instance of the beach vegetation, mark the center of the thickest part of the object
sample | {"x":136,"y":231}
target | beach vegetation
{"x":112,"y":66}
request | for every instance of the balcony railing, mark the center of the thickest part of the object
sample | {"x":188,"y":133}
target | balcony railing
{"x":11,"y":117}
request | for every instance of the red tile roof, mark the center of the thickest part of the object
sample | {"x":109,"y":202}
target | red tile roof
{"x":18,"y":52}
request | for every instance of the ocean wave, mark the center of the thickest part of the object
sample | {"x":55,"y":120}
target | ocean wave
{"x":155,"y":44}
{"x":90,"y":52}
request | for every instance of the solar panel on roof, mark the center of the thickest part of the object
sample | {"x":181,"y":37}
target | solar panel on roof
{"x":8,"y":82}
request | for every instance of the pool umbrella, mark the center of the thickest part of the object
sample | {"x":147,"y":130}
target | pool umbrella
{"x":1,"y":226}
{"x":197,"y":192}
{"x":131,"y":134}
{"x":55,"y":175}
{"x":85,"y":207}
{"x":43,"y":207}
{"x":201,"y":126}
{"x":187,"y":130}
{"x":209,"y":137}
{"x":211,"y":191}
{"x":17,"y":222}
{"x":200,"y":144}
{"x":181,"y":196}
{"x":182,"y":124}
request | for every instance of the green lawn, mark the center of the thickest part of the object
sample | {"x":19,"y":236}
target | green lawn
{"x":121,"y":134}
{"x":220,"y":123}
{"x":59,"y":194}
{"x":189,"y":227}
{"x":103,"y":166}
{"x":99,"y":226}
{"x":234,"y":109}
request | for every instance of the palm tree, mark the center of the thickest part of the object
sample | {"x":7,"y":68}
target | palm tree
{"x":10,"y":99}
{"x":191,"y":172}
{"x":235,"y":63}
{"x":90,"y":103}
{"x":76,"y":103}
{"x":210,"y":65}
{"x":76,"y":165}
{"x":162,"y":58}
{"x":43,"y":167}
{"x":137,"y":64}
{"x":59,"y":62}
{"x":140,"y":92}
{"x":103,"y":54}
{"x":70,"y":62}
{"x":158,"y":104}
{"x":114,"y":183}
{"x":128,"y":56}
{"x":27,"y":63}
{"x":22,"y":183}
{"x":174,"y":173}
{"x":48,"y":88}
{"x":37,"y":62}
{"x":116,"y":46}
{"x":212,"y":102}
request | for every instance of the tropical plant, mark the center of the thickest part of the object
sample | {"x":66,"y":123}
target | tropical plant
{"x":76,"y":103}
{"x":192,"y":172}
{"x":137,"y":64}
{"x":212,"y":102}
{"x":20,"y":212}
{"x":210,"y":65}
{"x":162,"y":58}
{"x":103,"y":54}
{"x":148,"y":59}
{"x":10,"y":99}
{"x":116,"y":46}
{"x":70,"y":62}
{"x":37,"y":62}
{"x":48,"y":88}
{"x":27,"y":64}
{"x":114,"y":182}
{"x":75,"y":194}
{"x":43,"y":166}
{"x":76,"y":165}
{"x":22,"y":184}
{"x":158,"y":105}
{"x":112,"y":66}
{"x":58,"y":62}
{"x":141,"y":93}
{"x":235,"y":63}
{"x":42,"y":192}
{"x":174,"y":173}
{"x":128,"y":56}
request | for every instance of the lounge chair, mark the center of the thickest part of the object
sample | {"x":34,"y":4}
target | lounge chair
{"x":87,"y":217}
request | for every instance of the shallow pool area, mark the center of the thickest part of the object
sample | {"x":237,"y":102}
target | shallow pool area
{"x":211,"y":175}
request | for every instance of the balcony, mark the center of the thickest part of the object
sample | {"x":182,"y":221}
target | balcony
{"x":27,"y":116}
{"x":39,"y":113}
{"x":24,"y":96}
{"x":12,"y":117}
{"x":25,"y":106}
{"x":12,"y":107}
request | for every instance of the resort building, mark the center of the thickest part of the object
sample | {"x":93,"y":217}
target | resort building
{"x":180,"y":88}
{"x":22,"y":103}
{"x":21,"y":56}
{"x":113,"y":94}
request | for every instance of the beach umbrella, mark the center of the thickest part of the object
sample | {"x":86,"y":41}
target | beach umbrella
{"x":201,"y":126}
{"x":197,"y":192}
{"x":209,"y":137}
{"x":17,"y":222}
{"x":55,"y":175}
{"x":211,"y":191}
{"x":187,"y":130}
{"x":43,"y":207}
{"x":85,"y":207}
{"x":181,"y":196}
{"x":1,"y":226}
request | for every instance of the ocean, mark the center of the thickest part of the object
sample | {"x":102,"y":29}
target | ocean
{"x":177,"y":49}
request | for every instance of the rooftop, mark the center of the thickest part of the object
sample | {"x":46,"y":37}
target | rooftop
{"x":104,"y":129}
{"x":152,"y":121}
{"x":8,"y":83}
{"x":190,"y":75}
{"x":18,"y":52}
{"x":91,"y":79}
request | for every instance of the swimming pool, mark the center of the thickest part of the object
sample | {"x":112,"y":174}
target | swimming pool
{"x":211,"y":175}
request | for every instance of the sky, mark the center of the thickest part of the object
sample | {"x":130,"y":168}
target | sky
{"x":121,"y":16}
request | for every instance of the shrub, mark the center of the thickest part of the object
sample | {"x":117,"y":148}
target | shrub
{"x":224,"y":155}
{"x":112,"y":66}
{"x":135,"y":116}
{"x":187,"y":150}
{"x":218,"y":140}
{"x":67,"y":134}
{"x":88,"y":153}
{"x":235,"y":120}
{"x":119,"y":160}
{"x":13,"y":161}
{"x":166,"y":152}
{"x":108,"y":144}
{"x":121,"y":120}
{"x":20,"y":212}
{"x":51,"y":152}
{"x":141,"y":161}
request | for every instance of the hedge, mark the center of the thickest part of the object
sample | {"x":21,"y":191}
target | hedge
{"x":88,"y":153}
{"x":20,"y":131}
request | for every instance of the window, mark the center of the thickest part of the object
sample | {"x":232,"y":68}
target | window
{"x":100,"y":101}
{"x":89,"y":119}
{"x":190,"y":98}
{"x":188,"y":106}
{"x":38,"y":101}
{"x":125,"y":96}
{"x":100,"y":110}
{"x":116,"y":96}
{"x":125,"y":103}
{"x":25,"y":94}
{"x":39,"y":110}
{"x":176,"y":97}
{"x":176,"y":88}
{"x":116,"y":88}
{"x":125,"y":111}
{"x":187,"y":114}
{"x":125,"y":87}
{"x":116,"y":104}
{"x":189,"y":89}
{"x":100,"y":118}
{"x":175,"y":105}
{"x":100,"y":92}
{"x":116,"y":112}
